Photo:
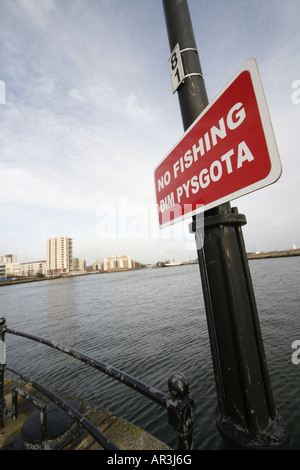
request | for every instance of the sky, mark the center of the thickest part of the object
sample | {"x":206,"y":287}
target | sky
{"x":87,"y":113}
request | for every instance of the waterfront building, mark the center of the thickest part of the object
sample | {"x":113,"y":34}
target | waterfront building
{"x":2,"y":271}
{"x":9,"y":270}
{"x":9,"y":258}
{"x":9,"y":267}
{"x":79,"y":265}
{"x":34,"y":268}
{"x":114,"y":263}
{"x":59,"y":255}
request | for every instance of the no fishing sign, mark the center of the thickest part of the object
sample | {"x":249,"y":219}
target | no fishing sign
{"x":229,"y":151}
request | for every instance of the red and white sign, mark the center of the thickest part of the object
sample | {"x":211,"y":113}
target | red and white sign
{"x":229,"y":151}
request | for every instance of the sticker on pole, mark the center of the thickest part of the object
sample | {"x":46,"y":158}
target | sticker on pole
{"x":229,"y":151}
{"x":176,"y":68}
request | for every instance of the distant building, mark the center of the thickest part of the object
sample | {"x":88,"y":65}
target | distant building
{"x":9,"y":266}
{"x":114,"y":263}
{"x":2,"y":271}
{"x":59,"y":255}
{"x":9,"y":259}
{"x":79,"y":265}
{"x":9,"y":270}
{"x":32,"y":269}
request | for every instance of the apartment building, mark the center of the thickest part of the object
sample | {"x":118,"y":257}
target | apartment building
{"x":9,"y":266}
{"x":9,"y":258}
{"x":33,"y":268}
{"x":59,"y":255}
{"x":79,"y":265}
{"x":9,"y":270}
{"x":114,"y":263}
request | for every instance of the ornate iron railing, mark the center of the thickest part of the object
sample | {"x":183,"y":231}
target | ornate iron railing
{"x":179,"y":405}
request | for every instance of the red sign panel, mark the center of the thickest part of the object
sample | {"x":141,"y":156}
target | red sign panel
{"x":229,"y":151}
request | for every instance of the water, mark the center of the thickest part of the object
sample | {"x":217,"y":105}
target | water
{"x":150,"y":324}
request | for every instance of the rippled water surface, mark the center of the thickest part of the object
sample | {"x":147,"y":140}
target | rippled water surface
{"x":150,"y":323}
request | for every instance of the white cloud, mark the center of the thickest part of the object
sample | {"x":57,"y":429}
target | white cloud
{"x":36,"y":10}
{"x":90,"y":112}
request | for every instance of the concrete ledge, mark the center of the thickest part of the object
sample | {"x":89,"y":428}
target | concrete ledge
{"x":125,"y":435}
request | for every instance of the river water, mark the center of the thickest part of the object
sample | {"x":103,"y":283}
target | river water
{"x":150,"y":324}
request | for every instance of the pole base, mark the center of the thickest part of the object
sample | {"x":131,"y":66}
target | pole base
{"x":234,"y":436}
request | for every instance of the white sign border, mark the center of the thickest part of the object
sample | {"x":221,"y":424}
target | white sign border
{"x":276,"y":168}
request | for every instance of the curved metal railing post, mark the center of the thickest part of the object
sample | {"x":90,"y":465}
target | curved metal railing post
{"x":181,"y":411}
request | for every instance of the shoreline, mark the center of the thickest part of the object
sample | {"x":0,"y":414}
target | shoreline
{"x":64,"y":276}
{"x":274,"y":254}
{"x":260,"y":255}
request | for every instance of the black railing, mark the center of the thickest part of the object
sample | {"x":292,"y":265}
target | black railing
{"x":74,"y":413}
{"x":179,"y":405}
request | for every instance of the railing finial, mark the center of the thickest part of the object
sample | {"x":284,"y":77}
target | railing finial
{"x":181,"y":411}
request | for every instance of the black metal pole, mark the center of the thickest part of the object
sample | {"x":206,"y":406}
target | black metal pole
{"x":247,"y":417}
{"x":2,"y":369}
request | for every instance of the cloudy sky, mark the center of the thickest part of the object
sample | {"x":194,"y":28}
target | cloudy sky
{"x":88,"y":114}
